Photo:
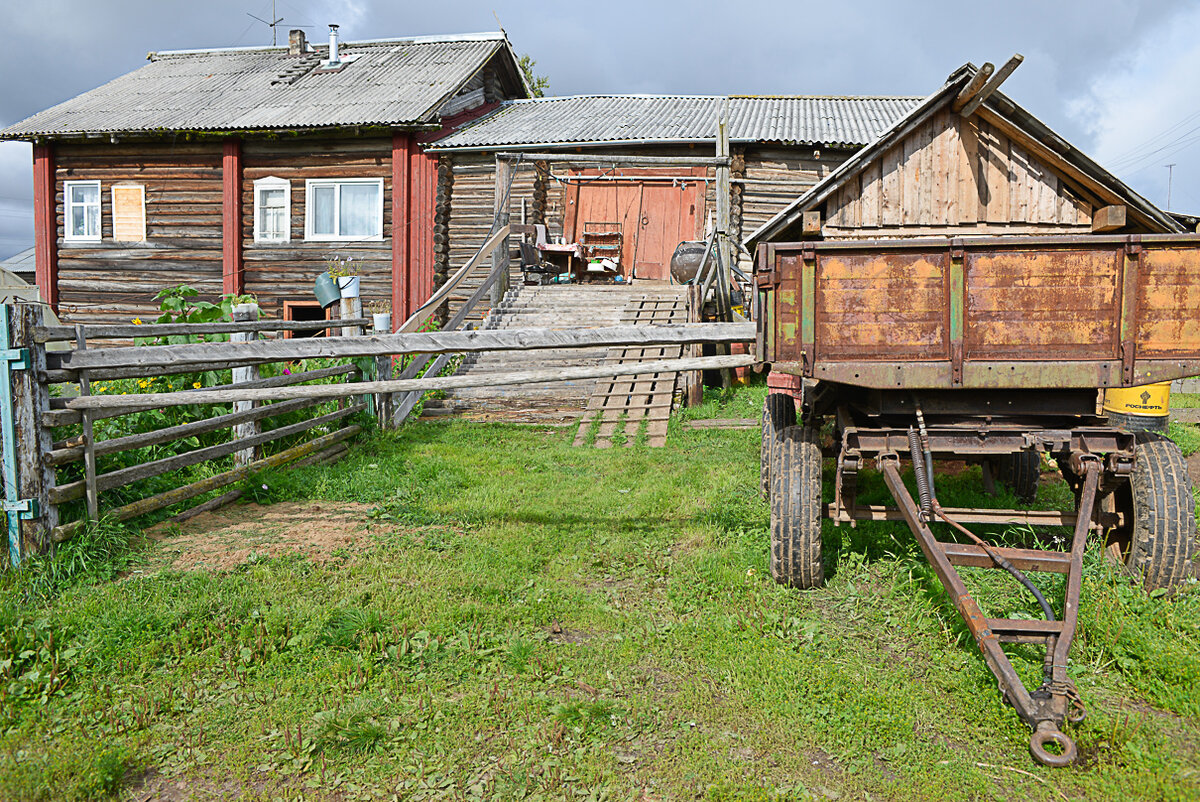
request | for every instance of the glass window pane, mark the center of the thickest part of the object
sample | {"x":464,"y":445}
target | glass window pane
{"x":322,"y":211}
{"x":273,"y":225}
{"x":358,"y":214}
{"x":85,"y":193}
{"x":78,"y":221}
{"x":271,"y":197}
{"x":93,"y":218}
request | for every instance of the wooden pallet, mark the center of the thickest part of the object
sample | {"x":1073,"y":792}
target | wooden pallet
{"x":627,"y":403}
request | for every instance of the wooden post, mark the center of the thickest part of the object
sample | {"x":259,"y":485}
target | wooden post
{"x":31,"y":400}
{"x":500,"y":255}
{"x":89,"y":436}
{"x":382,"y":324}
{"x":45,"y":223}
{"x":244,"y":312}
{"x":694,"y":380}
{"x":233,"y":277}
{"x":725,"y":253}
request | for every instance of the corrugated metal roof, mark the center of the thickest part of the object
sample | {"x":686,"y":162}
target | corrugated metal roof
{"x":591,"y":119}
{"x":392,"y":82}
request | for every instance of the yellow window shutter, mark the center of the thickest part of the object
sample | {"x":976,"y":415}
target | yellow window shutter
{"x":129,"y":212}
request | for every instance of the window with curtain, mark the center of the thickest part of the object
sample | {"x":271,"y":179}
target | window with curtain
{"x":344,"y":209}
{"x":272,"y":210}
{"x":82,"y":212}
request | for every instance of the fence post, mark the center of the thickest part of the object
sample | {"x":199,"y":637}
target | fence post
{"x":504,"y":170}
{"x":27,"y":476}
{"x":382,"y":324}
{"x":244,"y":312}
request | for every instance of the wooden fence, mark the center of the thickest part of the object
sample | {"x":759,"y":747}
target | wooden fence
{"x":57,"y":386}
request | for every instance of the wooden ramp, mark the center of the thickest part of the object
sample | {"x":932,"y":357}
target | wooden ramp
{"x":624,"y":404}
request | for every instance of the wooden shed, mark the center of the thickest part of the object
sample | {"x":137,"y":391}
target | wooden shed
{"x":780,"y":146}
{"x":966,"y":161}
{"x":246,"y":170}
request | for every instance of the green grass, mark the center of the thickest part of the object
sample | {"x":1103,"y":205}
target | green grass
{"x":528,"y":620}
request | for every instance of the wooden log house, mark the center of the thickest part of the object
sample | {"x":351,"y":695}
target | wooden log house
{"x":245,"y":170}
{"x":780,"y":147}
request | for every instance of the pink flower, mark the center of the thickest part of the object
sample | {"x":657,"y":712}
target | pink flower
{"x":287,"y":372}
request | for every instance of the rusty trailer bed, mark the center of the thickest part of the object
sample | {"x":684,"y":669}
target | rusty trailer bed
{"x":982,"y":312}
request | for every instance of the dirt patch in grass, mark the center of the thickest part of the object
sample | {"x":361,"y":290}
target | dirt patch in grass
{"x":228,"y":537}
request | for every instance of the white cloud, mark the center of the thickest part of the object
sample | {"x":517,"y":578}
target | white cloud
{"x":1143,"y":112}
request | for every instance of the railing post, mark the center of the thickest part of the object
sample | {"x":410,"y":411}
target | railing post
{"x":382,"y":324}
{"x":244,"y":312}
{"x":500,"y":256}
{"x":23,"y":401}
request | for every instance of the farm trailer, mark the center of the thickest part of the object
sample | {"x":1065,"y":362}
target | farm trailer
{"x":987,"y":350}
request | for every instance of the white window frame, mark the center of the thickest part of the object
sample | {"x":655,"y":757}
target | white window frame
{"x":312,"y":183}
{"x":272,"y":183}
{"x":68,"y":236}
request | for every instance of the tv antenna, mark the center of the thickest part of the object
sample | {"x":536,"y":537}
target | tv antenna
{"x":273,"y":24}
{"x":1170,"y":174}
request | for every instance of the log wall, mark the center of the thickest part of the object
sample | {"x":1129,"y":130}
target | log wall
{"x":278,"y":272}
{"x":111,"y":281}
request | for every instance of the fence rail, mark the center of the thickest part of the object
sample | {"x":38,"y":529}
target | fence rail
{"x":53,"y":377}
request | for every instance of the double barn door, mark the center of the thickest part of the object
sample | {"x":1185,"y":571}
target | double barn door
{"x":655,"y":208}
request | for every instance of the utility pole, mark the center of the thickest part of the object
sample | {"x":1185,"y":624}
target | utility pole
{"x":1170,"y":175}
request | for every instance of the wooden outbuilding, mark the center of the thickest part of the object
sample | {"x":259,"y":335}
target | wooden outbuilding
{"x":246,"y":170}
{"x":780,"y":146}
{"x":965,"y":161}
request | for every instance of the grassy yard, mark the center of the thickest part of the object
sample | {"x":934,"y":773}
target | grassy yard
{"x":515,"y":618}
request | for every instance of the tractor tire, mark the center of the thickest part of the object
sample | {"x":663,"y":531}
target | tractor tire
{"x":1020,"y":472}
{"x":1164,"y":524}
{"x":796,"y":509}
{"x":779,"y":412}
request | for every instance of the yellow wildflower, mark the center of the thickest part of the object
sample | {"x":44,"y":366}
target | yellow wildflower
{"x":196,"y":385}
{"x":137,"y":321}
{"x":143,"y":383}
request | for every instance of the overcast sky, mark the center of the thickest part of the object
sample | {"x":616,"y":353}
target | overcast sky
{"x":1117,"y":78}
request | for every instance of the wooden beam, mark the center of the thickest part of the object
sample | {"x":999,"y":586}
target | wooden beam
{"x":401,"y":147}
{"x":811,"y":225}
{"x":45,"y":224}
{"x":1108,"y":218}
{"x":233,"y":276}
{"x":990,"y":88}
{"x":227,"y":394}
{"x":973,"y":86}
{"x":500,"y":204}
{"x":584,"y":158}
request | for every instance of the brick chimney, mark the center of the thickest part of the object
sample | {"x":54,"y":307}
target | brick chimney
{"x":297,"y":43}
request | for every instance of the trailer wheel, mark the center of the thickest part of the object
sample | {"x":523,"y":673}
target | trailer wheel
{"x":779,"y":412}
{"x":1021,"y":472}
{"x":1158,"y":540}
{"x":796,"y":509}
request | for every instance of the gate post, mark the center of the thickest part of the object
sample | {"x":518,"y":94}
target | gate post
{"x":382,"y":324}
{"x":241,"y":431}
{"x":23,"y":400}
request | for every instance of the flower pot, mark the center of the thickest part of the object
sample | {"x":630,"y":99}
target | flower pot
{"x":348,"y":286}
{"x":326,"y":290}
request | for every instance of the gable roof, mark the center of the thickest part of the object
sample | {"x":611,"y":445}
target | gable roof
{"x":663,"y":119}
{"x":399,"y":82}
{"x":998,"y":106}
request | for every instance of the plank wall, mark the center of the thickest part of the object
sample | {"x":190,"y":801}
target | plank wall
{"x":955,"y":176}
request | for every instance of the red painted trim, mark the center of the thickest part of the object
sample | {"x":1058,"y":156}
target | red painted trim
{"x":233,"y":275}
{"x":449,"y":124}
{"x":45,"y":223}
{"x":401,"y":148}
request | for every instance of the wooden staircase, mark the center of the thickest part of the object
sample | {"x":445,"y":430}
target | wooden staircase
{"x":555,"y":306}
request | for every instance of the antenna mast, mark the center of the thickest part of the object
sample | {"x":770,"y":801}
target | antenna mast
{"x":273,"y":24}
